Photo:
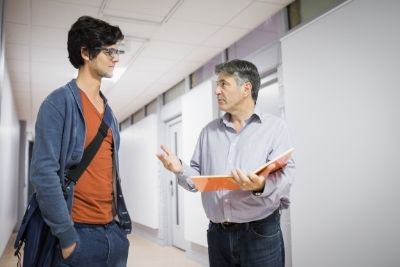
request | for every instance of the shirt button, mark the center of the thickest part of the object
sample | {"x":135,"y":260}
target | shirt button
{"x":226,"y":201}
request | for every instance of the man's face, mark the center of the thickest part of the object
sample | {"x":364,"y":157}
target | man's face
{"x":229,"y":93}
{"x":104,"y":63}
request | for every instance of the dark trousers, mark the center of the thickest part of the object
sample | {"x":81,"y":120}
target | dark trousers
{"x":98,"y":246}
{"x":253,"y":244}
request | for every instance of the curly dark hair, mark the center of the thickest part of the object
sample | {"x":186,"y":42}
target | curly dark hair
{"x":243,"y":71}
{"x":90,"y":33}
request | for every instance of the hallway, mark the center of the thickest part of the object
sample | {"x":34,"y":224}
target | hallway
{"x":143,"y":253}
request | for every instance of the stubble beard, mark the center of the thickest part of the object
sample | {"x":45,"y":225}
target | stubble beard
{"x":105,"y":74}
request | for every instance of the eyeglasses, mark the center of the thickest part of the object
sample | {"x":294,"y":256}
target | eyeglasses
{"x":110,"y":51}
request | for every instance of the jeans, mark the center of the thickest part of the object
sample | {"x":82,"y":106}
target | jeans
{"x":253,"y":244}
{"x":98,"y":246}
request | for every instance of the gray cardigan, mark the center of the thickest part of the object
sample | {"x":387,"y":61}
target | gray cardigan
{"x":59,"y":144}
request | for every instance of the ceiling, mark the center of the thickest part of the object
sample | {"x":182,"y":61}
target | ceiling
{"x":165,"y":41}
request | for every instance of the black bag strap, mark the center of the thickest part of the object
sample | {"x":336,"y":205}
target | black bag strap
{"x":76,"y":171}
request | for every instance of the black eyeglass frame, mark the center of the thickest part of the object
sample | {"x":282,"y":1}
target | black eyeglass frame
{"x":110,"y":51}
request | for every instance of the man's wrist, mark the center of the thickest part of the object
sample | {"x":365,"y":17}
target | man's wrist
{"x":258,"y":192}
{"x":181,"y":170}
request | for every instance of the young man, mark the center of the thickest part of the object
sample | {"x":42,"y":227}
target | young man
{"x":67,"y":122}
{"x":244,"y":225}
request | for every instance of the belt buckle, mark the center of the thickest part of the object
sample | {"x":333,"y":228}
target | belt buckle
{"x":227,"y":225}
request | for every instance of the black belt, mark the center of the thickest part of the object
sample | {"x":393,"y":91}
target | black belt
{"x":245,"y":225}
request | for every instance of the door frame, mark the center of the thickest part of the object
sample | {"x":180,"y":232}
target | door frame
{"x":172,"y":187}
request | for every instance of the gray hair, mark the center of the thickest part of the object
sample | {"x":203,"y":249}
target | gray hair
{"x":242,"y":71}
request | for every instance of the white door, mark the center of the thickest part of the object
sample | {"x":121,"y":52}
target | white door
{"x":176,"y":192}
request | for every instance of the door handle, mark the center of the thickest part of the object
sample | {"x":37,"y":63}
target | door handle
{"x":171,"y":188}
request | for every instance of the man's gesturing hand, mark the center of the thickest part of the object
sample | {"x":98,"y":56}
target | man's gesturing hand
{"x":169,"y":160}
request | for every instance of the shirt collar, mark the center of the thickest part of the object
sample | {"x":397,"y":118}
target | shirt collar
{"x":256,"y":115}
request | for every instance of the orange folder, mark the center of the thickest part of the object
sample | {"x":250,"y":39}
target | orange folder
{"x":207,"y":183}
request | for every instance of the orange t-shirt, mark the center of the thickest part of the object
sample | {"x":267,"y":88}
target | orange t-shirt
{"x":93,"y":197}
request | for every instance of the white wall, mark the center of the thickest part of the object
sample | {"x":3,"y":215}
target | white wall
{"x":342,"y":94}
{"x":197,"y":111}
{"x":9,"y":149}
{"x":139,"y":171}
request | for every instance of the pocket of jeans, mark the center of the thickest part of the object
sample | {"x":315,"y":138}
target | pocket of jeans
{"x":74,"y":255}
{"x":265,"y":230}
{"x":211,"y":227}
{"x":121,"y":230}
{"x":122,"y":237}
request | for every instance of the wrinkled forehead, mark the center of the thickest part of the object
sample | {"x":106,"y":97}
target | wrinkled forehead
{"x":225,"y":76}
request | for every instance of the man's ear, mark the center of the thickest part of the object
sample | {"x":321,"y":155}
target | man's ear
{"x":85,"y":54}
{"x":247,"y":87}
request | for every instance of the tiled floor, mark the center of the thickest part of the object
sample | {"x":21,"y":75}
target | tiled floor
{"x":142,"y":253}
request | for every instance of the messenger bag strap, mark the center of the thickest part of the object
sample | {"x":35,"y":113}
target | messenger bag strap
{"x":76,"y":171}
